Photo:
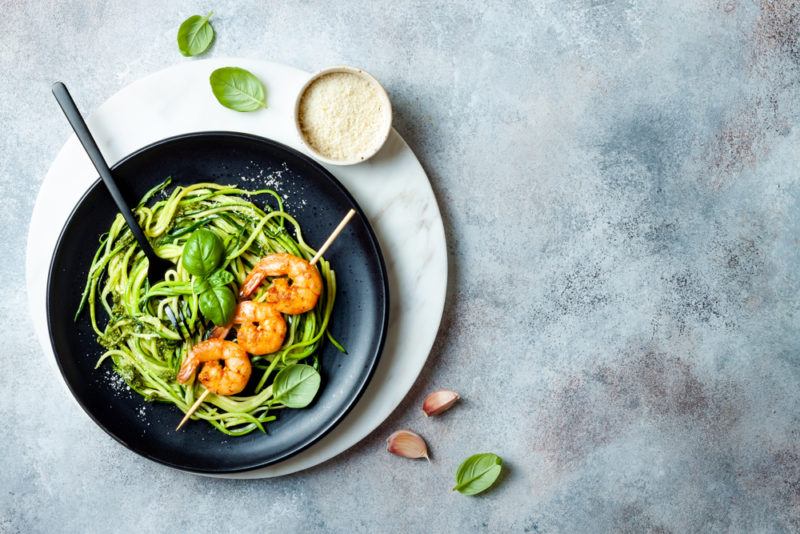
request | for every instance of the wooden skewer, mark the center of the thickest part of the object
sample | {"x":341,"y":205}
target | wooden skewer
{"x":194,"y":407}
{"x":334,"y":235}
{"x":315,"y":259}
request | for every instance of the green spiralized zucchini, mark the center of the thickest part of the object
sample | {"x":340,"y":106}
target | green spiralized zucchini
{"x":142,"y":345}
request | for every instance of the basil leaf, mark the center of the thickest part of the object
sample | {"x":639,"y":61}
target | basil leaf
{"x":202,"y":253}
{"x":238,"y":89}
{"x":200,"y":285}
{"x":477,"y":473}
{"x":195,"y":35}
{"x":218,"y":305}
{"x":296,"y":386}
{"x":220,"y":278}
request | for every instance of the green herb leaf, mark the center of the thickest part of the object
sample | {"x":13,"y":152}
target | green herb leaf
{"x":220,"y":278}
{"x":238,"y":89}
{"x":477,"y":473}
{"x":202,"y":253}
{"x":200,"y":285}
{"x":296,"y":386}
{"x":218,"y":305}
{"x":195,"y":35}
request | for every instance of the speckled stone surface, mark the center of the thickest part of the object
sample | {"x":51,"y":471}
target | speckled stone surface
{"x":619,"y":184}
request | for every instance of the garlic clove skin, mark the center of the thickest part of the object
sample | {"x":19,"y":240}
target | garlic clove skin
{"x":439,"y":401}
{"x":407,"y":444}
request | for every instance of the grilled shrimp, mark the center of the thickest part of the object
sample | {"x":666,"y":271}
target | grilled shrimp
{"x":298,"y":297}
{"x":262,"y":327}
{"x":227,"y":378}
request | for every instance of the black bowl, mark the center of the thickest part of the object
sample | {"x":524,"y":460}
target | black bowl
{"x":359,"y":320}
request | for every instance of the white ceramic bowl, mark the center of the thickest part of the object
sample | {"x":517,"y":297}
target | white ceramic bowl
{"x":385,"y":127}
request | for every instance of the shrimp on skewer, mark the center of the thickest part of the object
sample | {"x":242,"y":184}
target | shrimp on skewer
{"x":262,"y":329}
{"x":227,"y":378}
{"x":298,"y":297}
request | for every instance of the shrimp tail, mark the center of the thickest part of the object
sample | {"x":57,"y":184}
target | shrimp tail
{"x":251,"y":283}
{"x":188,"y":367}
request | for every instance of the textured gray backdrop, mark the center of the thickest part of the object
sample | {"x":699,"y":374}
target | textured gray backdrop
{"x":619,"y":184}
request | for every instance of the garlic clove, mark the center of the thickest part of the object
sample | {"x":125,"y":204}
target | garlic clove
{"x":407,"y":444}
{"x":439,"y":401}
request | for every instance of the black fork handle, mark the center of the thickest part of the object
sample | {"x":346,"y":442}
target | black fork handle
{"x":85,"y":137}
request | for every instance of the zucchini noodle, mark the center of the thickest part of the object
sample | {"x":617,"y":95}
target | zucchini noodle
{"x":141,"y":343}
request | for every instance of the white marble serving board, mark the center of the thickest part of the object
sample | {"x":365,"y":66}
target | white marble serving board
{"x":392,"y":188}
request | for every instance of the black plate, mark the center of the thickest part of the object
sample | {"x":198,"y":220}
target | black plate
{"x":360,"y":315}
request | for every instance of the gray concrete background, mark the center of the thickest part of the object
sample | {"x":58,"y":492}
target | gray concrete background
{"x":619,"y":184}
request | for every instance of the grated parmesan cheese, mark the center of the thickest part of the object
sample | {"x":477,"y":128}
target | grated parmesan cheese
{"x":341,"y":116}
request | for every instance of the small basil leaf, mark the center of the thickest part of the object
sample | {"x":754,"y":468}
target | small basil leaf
{"x":220,"y":278}
{"x":202,"y":253}
{"x":238,"y":89}
{"x":195,"y":35}
{"x":200,"y":285}
{"x":477,"y":473}
{"x":296,"y":386}
{"x":218,"y":305}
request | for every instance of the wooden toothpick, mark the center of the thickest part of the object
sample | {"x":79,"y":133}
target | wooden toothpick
{"x":334,"y":235}
{"x":194,"y":408}
{"x":315,"y":259}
